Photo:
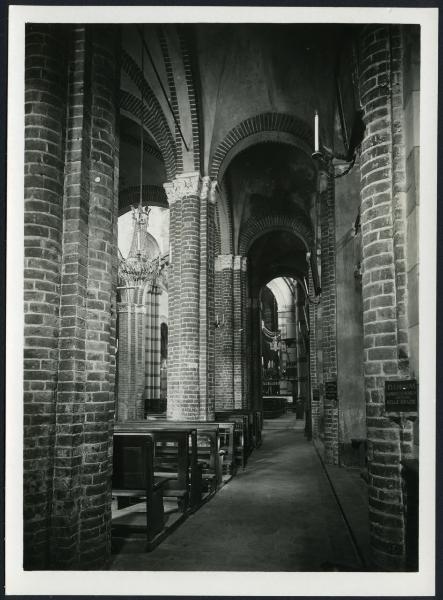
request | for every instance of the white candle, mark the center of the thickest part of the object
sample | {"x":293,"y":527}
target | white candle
{"x":316,"y":144}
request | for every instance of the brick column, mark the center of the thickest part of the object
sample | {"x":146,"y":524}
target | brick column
{"x":313,"y":366}
{"x":190,"y":305}
{"x":385,"y":339}
{"x":255,"y":367}
{"x":152,"y":344}
{"x":80,"y":511}
{"x":231,"y":341}
{"x":246,"y":400}
{"x":328,"y":312}
{"x":302,"y":349}
{"x":224,"y":334}
{"x":124,"y":360}
{"x":70,"y":239}
{"x":45,"y":108}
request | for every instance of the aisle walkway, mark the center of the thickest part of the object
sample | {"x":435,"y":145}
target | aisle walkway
{"x":279,"y":514}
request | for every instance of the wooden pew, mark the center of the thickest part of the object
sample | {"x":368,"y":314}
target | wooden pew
{"x":133,"y":481}
{"x":208,"y":449}
{"x":175,"y":457}
{"x":241,"y":434}
{"x":221,"y":435}
{"x":258,"y":427}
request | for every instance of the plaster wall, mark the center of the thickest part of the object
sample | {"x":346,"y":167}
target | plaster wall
{"x":274,"y":69}
{"x":350,"y":385}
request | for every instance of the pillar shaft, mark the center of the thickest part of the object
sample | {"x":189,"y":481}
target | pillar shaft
{"x":383,"y":281}
{"x":231,"y":337}
{"x":190,"y":303}
{"x":78,"y":239}
{"x":45,"y":77}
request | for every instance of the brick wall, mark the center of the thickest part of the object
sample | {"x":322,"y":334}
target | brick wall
{"x":313,"y":366}
{"x":70,"y":528}
{"x":329,"y":313}
{"x":385,"y":339}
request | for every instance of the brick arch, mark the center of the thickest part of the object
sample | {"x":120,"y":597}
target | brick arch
{"x":265,"y":127}
{"x":189,"y":86}
{"x":189,"y":64}
{"x":152,"y":195}
{"x":172,"y":94}
{"x":256,"y":227}
{"x":153,"y":117}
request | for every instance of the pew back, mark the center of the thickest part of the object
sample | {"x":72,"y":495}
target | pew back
{"x":175,"y":451}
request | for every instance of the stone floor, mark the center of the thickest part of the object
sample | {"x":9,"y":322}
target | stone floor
{"x":279,"y":514}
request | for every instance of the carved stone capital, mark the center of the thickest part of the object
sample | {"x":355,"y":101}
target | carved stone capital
{"x":205,"y":187}
{"x":186,"y":184}
{"x":223,"y":261}
{"x":237,"y":262}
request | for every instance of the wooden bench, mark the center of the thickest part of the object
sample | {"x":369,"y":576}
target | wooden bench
{"x":258,"y":427}
{"x":134,"y":483}
{"x":175,"y":457}
{"x":208,"y":450}
{"x":241,"y":434}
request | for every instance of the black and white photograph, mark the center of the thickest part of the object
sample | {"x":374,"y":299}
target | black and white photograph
{"x":221,"y":280}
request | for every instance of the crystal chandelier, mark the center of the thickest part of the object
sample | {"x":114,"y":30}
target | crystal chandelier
{"x":140,"y":266}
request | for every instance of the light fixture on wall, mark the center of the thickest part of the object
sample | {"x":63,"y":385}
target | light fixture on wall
{"x":325,"y":156}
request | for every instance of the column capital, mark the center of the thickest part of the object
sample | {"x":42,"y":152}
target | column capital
{"x":223,"y":261}
{"x":187,"y":184}
{"x":240,"y":262}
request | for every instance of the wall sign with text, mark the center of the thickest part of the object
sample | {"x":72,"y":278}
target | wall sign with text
{"x":401,"y":396}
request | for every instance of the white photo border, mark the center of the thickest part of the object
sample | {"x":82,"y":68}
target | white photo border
{"x":147,"y":583}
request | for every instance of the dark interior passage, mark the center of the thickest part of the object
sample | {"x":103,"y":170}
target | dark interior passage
{"x":279,"y":514}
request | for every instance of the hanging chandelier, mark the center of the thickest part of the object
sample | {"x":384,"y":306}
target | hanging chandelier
{"x":140,"y":266}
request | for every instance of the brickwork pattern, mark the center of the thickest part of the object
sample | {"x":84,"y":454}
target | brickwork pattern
{"x":256,"y":227}
{"x":45,"y":97}
{"x":94,"y":530}
{"x":173,"y":97}
{"x":192,"y":96}
{"x":313,"y":366}
{"x":224,"y":335}
{"x":152,"y":195}
{"x":382,"y":244}
{"x":190,"y":305}
{"x":74,"y":520}
{"x":231,"y":342}
{"x":329,"y":315}
{"x":151,"y":370}
{"x":399,"y":197}
{"x":153,"y":121}
{"x":302,"y":347}
{"x":257,"y":124}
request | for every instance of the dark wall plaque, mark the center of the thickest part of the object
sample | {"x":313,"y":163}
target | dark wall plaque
{"x":401,"y":396}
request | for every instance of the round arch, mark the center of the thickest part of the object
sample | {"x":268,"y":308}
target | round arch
{"x":265,"y":127}
{"x":151,"y":113}
{"x":256,"y":227}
